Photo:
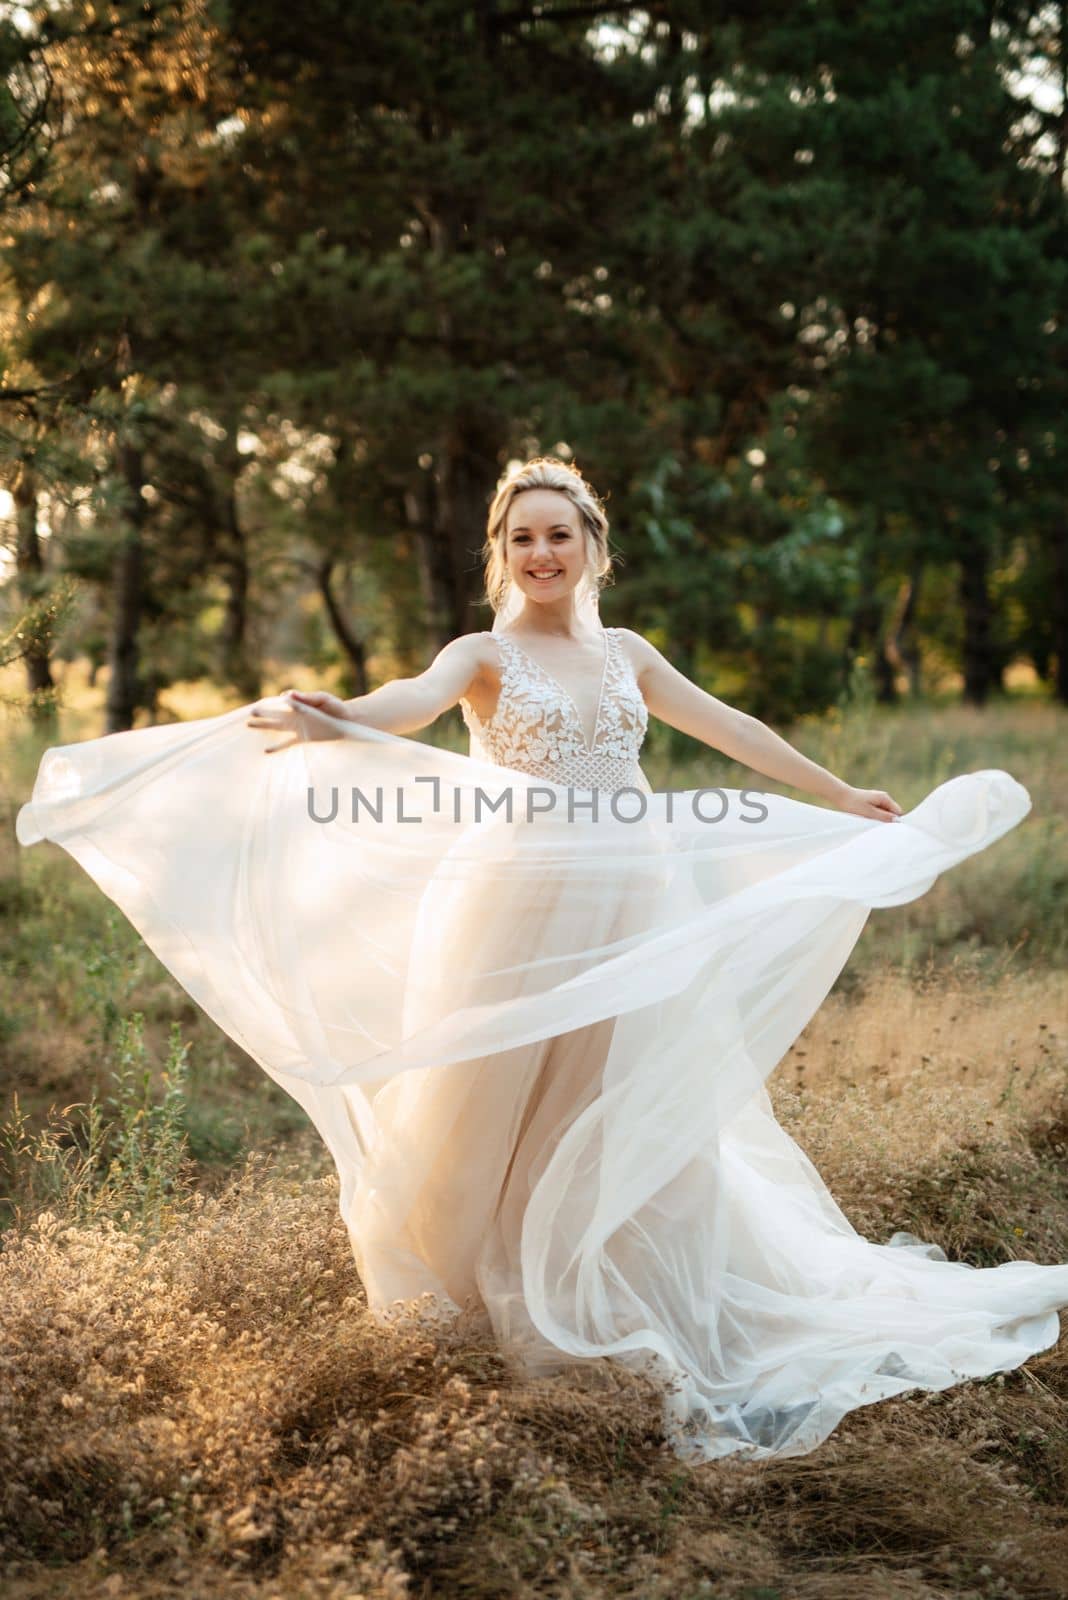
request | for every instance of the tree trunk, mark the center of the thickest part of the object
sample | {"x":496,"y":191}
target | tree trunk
{"x":1059,"y":611}
{"x":866,"y":622}
{"x":349,"y":641}
{"x":419,"y":514}
{"x":127,"y":588}
{"x":901,"y":646}
{"x":236,"y":662}
{"x":448,"y":521}
{"x":885,"y":680}
{"x":978,"y":663}
{"x":466,"y":472}
{"x":432,"y":553}
{"x":30,"y":572}
{"x":451,"y":522}
{"x":909,"y":638}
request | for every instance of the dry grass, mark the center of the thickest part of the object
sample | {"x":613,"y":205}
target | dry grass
{"x":215,"y":1412}
{"x":940,"y":1104}
{"x":203,"y":1407}
{"x":185,"y":1440}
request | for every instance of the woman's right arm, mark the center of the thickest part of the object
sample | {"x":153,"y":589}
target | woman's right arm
{"x":407,"y":704}
{"x":400,"y":706}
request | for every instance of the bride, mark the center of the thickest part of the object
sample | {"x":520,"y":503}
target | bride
{"x":530,"y":1004}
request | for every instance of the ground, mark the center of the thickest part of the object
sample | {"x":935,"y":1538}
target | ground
{"x":197,"y":1403}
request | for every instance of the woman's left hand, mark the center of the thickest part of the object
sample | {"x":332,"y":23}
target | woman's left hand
{"x":875,"y":804}
{"x":290,"y":720}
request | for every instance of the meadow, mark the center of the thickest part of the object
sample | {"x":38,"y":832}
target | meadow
{"x":196,"y":1401}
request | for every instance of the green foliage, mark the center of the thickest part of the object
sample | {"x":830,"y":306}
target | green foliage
{"x":789,"y":674}
{"x":290,"y":298}
{"x":121,"y":1157}
{"x":35,"y":628}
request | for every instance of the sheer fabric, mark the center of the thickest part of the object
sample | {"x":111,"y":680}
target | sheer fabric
{"x":530,"y":1006}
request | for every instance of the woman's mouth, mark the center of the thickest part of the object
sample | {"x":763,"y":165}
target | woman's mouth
{"x":546,"y":577}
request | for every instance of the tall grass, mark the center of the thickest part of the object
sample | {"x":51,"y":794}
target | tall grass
{"x":1007,"y":906}
{"x":213,"y":1409}
{"x":196,"y":1400}
{"x":120,"y":1157}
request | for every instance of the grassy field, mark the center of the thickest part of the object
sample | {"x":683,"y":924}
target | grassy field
{"x":196,"y":1401}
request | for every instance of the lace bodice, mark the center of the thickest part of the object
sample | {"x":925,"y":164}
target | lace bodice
{"x":536,"y":726}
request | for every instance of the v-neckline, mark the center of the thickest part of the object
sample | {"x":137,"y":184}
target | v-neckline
{"x":588,"y":745}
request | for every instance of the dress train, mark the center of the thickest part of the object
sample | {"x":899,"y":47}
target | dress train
{"x":536,"y":1048}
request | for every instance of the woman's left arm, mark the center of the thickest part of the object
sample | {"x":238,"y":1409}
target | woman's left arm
{"x":673,"y":698}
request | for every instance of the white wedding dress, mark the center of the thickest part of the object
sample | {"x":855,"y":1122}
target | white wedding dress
{"x":536,"y":1044}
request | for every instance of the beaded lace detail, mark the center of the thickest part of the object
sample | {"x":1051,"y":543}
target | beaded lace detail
{"x":536,"y":726}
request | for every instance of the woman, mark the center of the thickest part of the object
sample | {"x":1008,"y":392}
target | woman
{"x":530,"y":1005}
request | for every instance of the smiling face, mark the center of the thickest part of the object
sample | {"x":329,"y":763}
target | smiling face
{"x":545,"y":548}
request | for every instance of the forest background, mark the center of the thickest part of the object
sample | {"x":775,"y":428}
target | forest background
{"x":284,"y":293}
{"x":285,"y":288}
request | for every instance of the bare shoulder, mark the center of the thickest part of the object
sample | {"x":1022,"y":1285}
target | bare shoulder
{"x":639,"y":652}
{"x":476,"y":651}
{"x":473,"y":664}
{"x":470,"y":662}
{"x":485,"y":654}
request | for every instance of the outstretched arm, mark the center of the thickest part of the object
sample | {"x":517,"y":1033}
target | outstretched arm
{"x":400,"y":706}
{"x":672,"y":697}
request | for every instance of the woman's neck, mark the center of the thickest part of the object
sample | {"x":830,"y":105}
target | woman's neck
{"x":552,"y":624}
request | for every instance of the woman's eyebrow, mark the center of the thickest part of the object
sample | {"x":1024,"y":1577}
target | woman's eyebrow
{"x":564,"y":525}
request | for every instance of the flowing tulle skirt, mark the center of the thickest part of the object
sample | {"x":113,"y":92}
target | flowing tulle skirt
{"x":535,"y":1042}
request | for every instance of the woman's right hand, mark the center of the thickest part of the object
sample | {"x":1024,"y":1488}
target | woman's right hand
{"x":289,"y":719}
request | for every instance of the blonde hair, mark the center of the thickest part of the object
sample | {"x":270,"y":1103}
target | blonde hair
{"x":545,"y":472}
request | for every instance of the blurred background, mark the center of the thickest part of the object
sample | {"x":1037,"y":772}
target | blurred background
{"x":286,"y":289}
